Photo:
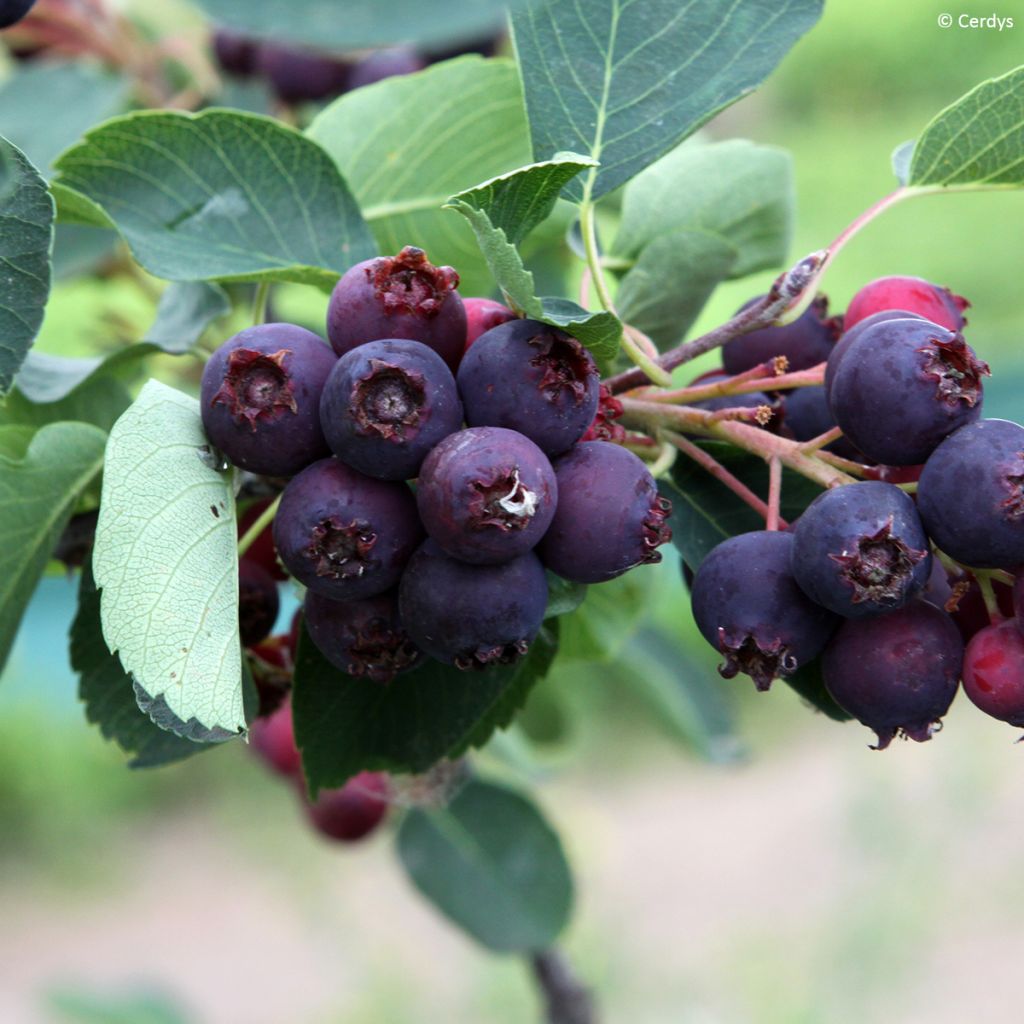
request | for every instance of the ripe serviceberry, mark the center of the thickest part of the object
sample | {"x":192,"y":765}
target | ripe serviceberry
{"x":486,"y":495}
{"x":386,"y":404}
{"x":849,"y":336}
{"x":260,"y":398}
{"x":896,"y":673}
{"x":258,"y":602}
{"x":403,"y":296}
{"x":748,"y":607}
{"x":805,"y":342}
{"x":610,"y":516}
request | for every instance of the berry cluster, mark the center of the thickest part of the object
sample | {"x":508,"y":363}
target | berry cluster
{"x":298,"y":74}
{"x":485,"y":412}
{"x":858,"y":578}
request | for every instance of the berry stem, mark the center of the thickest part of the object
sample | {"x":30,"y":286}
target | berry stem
{"x":720,"y":473}
{"x":259,"y":303}
{"x":566,"y":999}
{"x":646,"y":364}
{"x":265,"y":518}
{"x":763,"y":313}
{"x":817,"y":443}
{"x":771,"y":521}
{"x":665,"y":460}
{"x":988,"y":594}
{"x":655,"y":415}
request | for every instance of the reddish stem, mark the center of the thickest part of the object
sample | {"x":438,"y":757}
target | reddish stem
{"x":771,"y":521}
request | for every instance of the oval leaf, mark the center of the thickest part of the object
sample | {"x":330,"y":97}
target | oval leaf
{"x":979,"y":140}
{"x":26,"y":240}
{"x":491,"y":864}
{"x":166,"y":561}
{"x":406,"y":144}
{"x":217,"y":195}
{"x":624,"y":82}
{"x":344,"y":725}
{"x":39,"y":486}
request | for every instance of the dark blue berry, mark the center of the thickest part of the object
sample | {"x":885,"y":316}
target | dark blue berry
{"x":749,"y":608}
{"x":486,"y":495}
{"x":258,"y":602}
{"x":805,"y":342}
{"x":386,"y":404}
{"x":298,"y":75}
{"x":851,"y":334}
{"x":533,"y":378}
{"x":861,"y":550}
{"x":12,"y":11}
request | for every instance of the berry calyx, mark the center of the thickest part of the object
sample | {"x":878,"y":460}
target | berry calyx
{"x":256,"y":385}
{"x":409,"y":283}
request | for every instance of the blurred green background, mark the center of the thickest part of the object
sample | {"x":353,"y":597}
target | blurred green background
{"x":778,"y":875}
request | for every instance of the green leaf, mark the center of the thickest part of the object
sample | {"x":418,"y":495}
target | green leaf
{"x":518,"y":201}
{"x":705,"y":512}
{"x":106,"y":690}
{"x":185,"y":310}
{"x":406,"y":144}
{"x":38,"y":492}
{"x":696,"y":262}
{"x":979,"y":140}
{"x":320,"y":23}
{"x":597,"y":630}
{"x":98,"y":398}
{"x":737,"y":190}
{"x":690,"y":704}
{"x":344,"y":725}
{"x":47,"y":106}
{"x":26,"y":239}
{"x":491,"y":863}
{"x":78,"y":248}
{"x":625,"y":82}
{"x":165,"y":560}
{"x":601,"y":332}
{"x":807,"y":681}
{"x":217,"y":195}
{"x":563,"y":596}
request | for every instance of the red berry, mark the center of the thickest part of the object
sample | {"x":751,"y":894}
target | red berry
{"x":482,"y":315}
{"x":994,"y":672}
{"x":354,"y":810}
{"x":273,"y":738}
{"x":913,"y":294}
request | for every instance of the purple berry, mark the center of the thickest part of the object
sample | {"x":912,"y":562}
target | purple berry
{"x":928,"y":300}
{"x":258,"y":602}
{"x":343,"y":534}
{"x":235,"y":53}
{"x":805,"y":342}
{"x":363,"y":638}
{"x":352,"y":811}
{"x":896,"y":673}
{"x":403,"y":296}
{"x":533,"y":378}
{"x":381,"y":64}
{"x":902,"y":387}
{"x":297,"y":75}
{"x":260,"y":398}
{"x":486,"y":495}
{"x":472,"y":616}
{"x":610,"y":516}
{"x":386,"y":404}
{"x":849,"y":336}
{"x":748,"y":607}
{"x":12,"y":11}
{"x":861,"y":550}
{"x":971,"y":495}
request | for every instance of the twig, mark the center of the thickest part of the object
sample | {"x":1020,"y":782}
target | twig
{"x":566,"y":999}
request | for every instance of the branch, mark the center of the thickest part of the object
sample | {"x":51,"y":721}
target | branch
{"x":566,"y":998}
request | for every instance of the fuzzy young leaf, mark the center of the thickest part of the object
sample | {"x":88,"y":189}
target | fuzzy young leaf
{"x":35,"y":112}
{"x":491,"y":863}
{"x":26,"y":241}
{"x":322,"y":24}
{"x":217,"y":195}
{"x":695,"y":261}
{"x":106,"y":690}
{"x":979,"y":140}
{"x":435,"y":133}
{"x":705,"y":512}
{"x":165,"y":560}
{"x":345,"y":725}
{"x":39,"y":485}
{"x":518,"y":201}
{"x":736,"y":190}
{"x":624,"y":82}
{"x":99,"y":399}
